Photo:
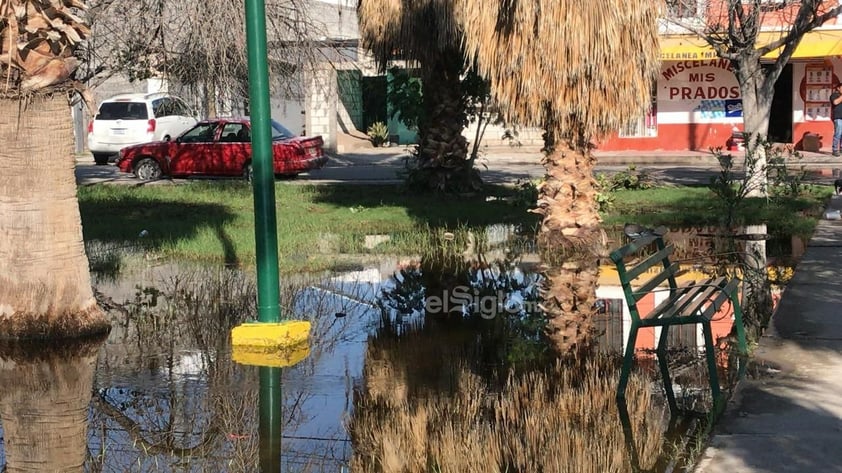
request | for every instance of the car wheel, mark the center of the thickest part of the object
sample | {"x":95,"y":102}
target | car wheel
{"x":147,"y":169}
{"x":248,"y":172}
{"x":101,"y":159}
{"x":286,"y":176}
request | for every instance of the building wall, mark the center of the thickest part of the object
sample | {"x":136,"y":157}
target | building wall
{"x":699,"y":105}
{"x":321,"y":106}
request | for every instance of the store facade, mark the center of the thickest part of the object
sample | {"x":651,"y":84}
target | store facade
{"x":697,"y":104}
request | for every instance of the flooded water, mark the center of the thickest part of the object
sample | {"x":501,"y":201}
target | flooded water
{"x":408,"y":361}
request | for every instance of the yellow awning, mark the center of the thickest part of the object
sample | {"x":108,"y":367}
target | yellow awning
{"x":815,"y":44}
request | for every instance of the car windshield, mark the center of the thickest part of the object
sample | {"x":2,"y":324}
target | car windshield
{"x":122,"y":111}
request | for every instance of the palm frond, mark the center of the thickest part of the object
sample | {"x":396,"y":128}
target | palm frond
{"x":38,"y":39}
{"x":586,"y":67}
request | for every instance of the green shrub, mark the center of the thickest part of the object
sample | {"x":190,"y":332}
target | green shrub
{"x":631,"y":179}
{"x":378,"y":132}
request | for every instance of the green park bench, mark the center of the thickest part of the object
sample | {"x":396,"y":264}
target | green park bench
{"x":644,"y":270}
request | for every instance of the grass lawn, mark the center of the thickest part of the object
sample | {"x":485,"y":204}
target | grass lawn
{"x":678,"y":207}
{"x":213,"y":220}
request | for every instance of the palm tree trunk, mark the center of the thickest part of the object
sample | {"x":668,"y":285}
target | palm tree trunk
{"x":44,"y":402}
{"x":45,"y":285}
{"x":571,"y":240}
{"x":442,"y":150}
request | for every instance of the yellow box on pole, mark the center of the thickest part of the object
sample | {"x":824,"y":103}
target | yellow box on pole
{"x":267,"y":337}
{"x":281,"y":358}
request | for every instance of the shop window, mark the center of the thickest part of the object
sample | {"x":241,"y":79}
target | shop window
{"x":645,"y":125}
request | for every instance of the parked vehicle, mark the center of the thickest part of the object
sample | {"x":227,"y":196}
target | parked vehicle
{"x":221,"y":147}
{"x":129,"y":119}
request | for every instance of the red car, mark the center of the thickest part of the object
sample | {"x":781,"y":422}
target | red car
{"x":220,"y":147}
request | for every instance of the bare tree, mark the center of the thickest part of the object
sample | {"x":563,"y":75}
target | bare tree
{"x":201,"y":45}
{"x":732,"y":28}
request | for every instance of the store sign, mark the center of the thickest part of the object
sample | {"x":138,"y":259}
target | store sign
{"x":697,"y":80}
{"x":734,"y":108}
{"x":706,"y":88}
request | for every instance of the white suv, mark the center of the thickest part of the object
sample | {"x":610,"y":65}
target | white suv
{"x":130,"y":119}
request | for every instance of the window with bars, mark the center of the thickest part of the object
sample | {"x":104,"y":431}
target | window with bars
{"x":645,"y":125}
{"x":682,"y":9}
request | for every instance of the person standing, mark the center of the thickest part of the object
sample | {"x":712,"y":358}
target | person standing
{"x":836,"y":117}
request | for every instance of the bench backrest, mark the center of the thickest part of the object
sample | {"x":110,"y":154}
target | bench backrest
{"x":645,"y":274}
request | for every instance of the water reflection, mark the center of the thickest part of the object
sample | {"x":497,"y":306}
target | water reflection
{"x":45,"y":391}
{"x":271,"y":419}
{"x":169,"y":397}
{"x":681,"y":430}
{"x":425,"y":401}
{"x":390,"y":380}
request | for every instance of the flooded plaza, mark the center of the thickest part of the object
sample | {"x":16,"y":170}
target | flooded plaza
{"x":413,"y":365}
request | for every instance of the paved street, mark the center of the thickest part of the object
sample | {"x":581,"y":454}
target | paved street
{"x":497,"y":165}
{"x":367,"y":166}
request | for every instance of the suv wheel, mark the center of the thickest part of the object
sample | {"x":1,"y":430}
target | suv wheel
{"x":101,"y":159}
{"x":147,"y":169}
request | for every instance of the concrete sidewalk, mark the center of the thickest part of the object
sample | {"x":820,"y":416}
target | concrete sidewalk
{"x":786,"y":415}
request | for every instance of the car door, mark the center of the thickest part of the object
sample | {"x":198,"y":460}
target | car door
{"x":234,"y":149}
{"x":193,"y":151}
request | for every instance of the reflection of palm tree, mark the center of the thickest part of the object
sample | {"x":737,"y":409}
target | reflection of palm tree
{"x":428,"y":399}
{"x":638,"y":428}
{"x":45,"y":392}
{"x":497,"y":301}
{"x":539,"y":57}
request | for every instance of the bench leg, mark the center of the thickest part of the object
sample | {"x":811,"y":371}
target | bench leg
{"x":738,"y":322}
{"x":628,"y":360}
{"x":663,"y":364}
{"x":711,"y":358}
{"x":628,"y":435}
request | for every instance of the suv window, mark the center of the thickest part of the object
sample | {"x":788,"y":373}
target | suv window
{"x":180,"y":108}
{"x":161,"y":107}
{"x":122,"y":111}
{"x":168,"y":106}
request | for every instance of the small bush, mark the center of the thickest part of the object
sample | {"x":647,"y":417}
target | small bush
{"x":604,"y":196}
{"x":378,"y":132}
{"x":631,"y":179}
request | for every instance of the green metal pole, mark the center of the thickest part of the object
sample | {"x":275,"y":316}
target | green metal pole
{"x":263,"y":180}
{"x":271,"y":419}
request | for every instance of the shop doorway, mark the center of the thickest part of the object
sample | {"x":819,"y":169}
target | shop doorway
{"x":780,"y":117}
{"x":374,"y":101}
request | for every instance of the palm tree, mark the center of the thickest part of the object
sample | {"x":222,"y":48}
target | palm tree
{"x":426,"y":32}
{"x":45,"y":286}
{"x":45,"y":394}
{"x":580,"y":70}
